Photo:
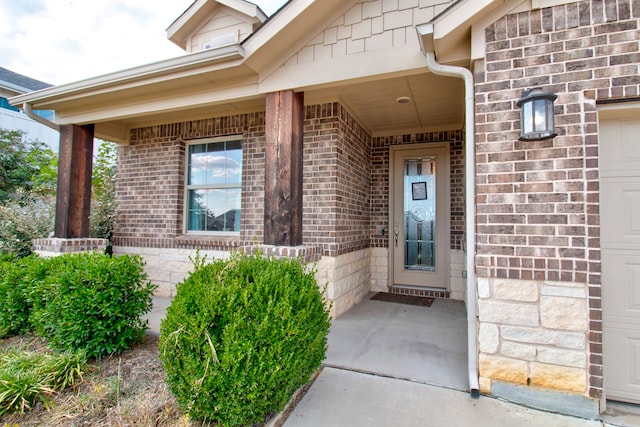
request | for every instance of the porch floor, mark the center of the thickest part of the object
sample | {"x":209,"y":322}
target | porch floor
{"x":423,"y":344}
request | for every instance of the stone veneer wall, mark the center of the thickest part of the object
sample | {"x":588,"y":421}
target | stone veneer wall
{"x":533,"y":333}
{"x":166,"y":267}
{"x":538,"y":253}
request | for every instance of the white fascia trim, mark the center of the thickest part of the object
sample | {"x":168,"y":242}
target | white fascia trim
{"x":277,"y":22}
{"x":155,"y":69}
{"x":183,"y":19}
{"x":246,"y":8}
{"x":13,"y":87}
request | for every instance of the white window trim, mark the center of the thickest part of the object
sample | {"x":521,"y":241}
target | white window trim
{"x":185,"y":202}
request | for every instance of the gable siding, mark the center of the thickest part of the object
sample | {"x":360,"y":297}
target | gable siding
{"x":220,"y":23}
{"x":538,"y":202}
{"x":369,"y":26}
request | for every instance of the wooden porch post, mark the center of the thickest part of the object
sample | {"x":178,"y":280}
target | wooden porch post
{"x":283,"y":159}
{"x":73,"y":197}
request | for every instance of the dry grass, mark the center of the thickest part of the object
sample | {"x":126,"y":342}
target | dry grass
{"x":124,"y":390}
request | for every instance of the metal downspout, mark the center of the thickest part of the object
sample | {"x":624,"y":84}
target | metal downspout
{"x":26,"y":107}
{"x":470,"y":229}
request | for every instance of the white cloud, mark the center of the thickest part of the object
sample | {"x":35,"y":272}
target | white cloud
{"x":61,"y":41}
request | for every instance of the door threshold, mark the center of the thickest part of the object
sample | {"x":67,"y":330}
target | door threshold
{"x":419,"y":291}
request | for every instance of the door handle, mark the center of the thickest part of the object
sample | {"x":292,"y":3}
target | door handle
{"x":396,"y":233}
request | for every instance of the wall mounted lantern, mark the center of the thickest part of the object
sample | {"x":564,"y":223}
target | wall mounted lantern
{"x":536,"y":115}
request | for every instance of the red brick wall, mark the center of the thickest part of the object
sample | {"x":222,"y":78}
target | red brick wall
{"x":538,"y":215}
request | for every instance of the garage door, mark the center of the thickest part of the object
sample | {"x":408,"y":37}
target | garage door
{"x":620,"y":241}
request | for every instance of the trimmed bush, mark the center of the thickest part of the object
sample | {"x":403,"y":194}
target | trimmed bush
{"x":241,"y":336}
{"x":17,"y":277}
{"x":14,"y":315}
{"x":90,"y":302}
{"x":95,"y":303}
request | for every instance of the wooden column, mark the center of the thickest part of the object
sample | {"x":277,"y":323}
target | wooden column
{"x":283,"y":159}
{"x":73,"y":198}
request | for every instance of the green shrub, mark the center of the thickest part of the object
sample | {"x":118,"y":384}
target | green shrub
{"x":241,"y":336}
{"x":21,"y":221}
{"x":16,"y":278}
{"x":94,"y":303}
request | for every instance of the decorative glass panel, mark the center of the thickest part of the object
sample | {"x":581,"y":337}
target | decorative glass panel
{"x":420,"y":214}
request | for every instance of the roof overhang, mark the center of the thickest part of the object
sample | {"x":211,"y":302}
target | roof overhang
{"x":235,"y":78}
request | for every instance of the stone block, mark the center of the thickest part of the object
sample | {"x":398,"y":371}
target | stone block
{"x":515,"y":290}
{"x":558,"y":377}
{"x":564,"y":357}
{"x":541,"y":336}
{"x":457,"y":296}
{"x":559,"y":291}
{"x":508,"y":313}
{"x":563,"y":313}
{"x":503,"y":369}
{"x":485,"y":385}
{"x":488,"y":338}
{"x":484,"y":290}
{"x":518,"y":351}
{"x":164,"y":289}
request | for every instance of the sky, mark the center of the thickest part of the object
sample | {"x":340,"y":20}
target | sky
{"x":63,"y":41}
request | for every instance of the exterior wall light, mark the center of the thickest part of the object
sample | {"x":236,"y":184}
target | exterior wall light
{"x":536,"y":115}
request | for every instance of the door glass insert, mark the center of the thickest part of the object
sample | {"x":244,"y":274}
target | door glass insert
{"x":420,"y":214}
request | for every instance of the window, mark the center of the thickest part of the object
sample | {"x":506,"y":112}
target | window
{"x":214,"y":186}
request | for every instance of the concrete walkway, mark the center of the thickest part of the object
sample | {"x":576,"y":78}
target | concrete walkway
{"x":345,"y":398}
{"x":397,"y":391}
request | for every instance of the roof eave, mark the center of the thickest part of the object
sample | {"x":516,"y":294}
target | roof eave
{"x":166,"y":67}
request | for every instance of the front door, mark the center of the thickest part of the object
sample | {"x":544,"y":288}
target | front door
{"x":620,"y":242}
{"x":419,"y":211}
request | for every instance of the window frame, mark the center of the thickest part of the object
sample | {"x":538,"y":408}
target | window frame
{"x":187,"y":187}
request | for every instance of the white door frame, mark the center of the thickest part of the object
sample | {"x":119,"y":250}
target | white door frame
{"x":443,"y":215}
{"x":619,"y":251}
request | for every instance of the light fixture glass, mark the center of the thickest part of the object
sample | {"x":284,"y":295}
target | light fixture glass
{"x":536,"y":115}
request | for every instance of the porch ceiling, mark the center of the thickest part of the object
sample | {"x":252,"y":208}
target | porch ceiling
{"x":434,"y":103}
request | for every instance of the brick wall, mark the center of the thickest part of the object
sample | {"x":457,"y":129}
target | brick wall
{"x":380,"y":183}
{"x":336,"y":186}
{"x":337,"y":180}
{"x":150,"y":183}
{"x":537,"y":202}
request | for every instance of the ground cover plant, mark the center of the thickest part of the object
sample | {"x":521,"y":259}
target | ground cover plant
{"x":28,"y":377}
{"x":241,"y":336}
{"x":126,"y":389}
